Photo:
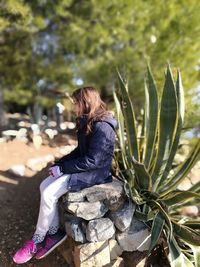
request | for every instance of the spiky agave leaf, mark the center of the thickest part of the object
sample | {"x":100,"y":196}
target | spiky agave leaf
{"x":196,"y":253}
{"x":156,"y":230}
{"x":143,"y":178}
{"x":151,"y":117}
{"x":179,"y":197}
{"x":177,"y":258}
{"x":182,"y":170}
{"x":180,"y":114}
{"x":167,"y":128}
{"x":129,"y":118}
{"x":120,"y":131}
{"x":186,"y":233}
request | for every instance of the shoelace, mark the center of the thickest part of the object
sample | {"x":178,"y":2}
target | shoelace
{"x":29,"y":246}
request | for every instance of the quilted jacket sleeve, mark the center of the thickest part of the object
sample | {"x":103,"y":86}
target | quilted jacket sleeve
{"x":99,"y":152}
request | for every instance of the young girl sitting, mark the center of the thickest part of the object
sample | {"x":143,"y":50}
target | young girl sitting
{"x":87,"y":165}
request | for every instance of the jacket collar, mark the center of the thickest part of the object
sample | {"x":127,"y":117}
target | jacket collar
{"x":110,"y":120}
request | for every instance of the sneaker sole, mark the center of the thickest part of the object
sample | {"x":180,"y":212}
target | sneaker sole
{"x":51,"y":249}
{"x":28,"y":259}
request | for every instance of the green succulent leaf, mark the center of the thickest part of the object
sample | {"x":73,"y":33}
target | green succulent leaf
{"x":167,"y":128}
{"x":195,"y":187}
{"x":157,"y":205}
{"x":180,"y":101}
{"x":142,"y":138}
{"x":156,"y":230}
{"x":151,"y":117}
{"x":193,"y":224}
{"x":120,"y":132}
{"x":177,"y":258}
{"x":186,"y":234}
{"x":196,"y":253}
{"x":182,"y":170}
{"x":143,"y":178}
{"x":129,"y":118}
{"x":178,"y":197}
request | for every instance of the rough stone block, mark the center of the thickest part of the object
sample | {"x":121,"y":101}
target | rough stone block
{"x":113,"y":190}
{"x":137,"y":237}
{"x":100,"y":230}
{"x":115,"y":249}
{"x":74,"y":197}
{"x":86,"y":210}
{"x":74,"y":228}
{"x":122,"y":218}
{"x":119,"y":262}
{"x":92,"y":254}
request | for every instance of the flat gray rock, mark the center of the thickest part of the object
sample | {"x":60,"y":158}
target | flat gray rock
{"x":122,"y":218}
{"x":74,"y":227}
{"x":100,"y":230}
{"x":137,"y":237}
{"x":110,"y":191}
{"x":87,"y":210}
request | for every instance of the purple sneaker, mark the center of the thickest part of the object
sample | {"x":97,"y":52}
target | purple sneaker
{"x":26,"y":252}
{"x":51,"y":242}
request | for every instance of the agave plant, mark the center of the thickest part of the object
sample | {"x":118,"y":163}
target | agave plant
{"x":145,"y":163}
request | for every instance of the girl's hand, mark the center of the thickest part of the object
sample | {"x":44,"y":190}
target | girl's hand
{"x":55,"y":171}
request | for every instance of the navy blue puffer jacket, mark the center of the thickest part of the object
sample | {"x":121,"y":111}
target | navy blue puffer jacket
{"x":90,"y":162}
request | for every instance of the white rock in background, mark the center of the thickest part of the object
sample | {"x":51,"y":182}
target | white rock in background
{"x":8,"y":134}
{"x":87,"y":211}
{"x":2,"y":140}
{"x":185,"y":184}
{"x":137,"y":237}
{"x":64,"y":150}
{"x":48,"y":158}
{"x":37,"y":141}
{"x":35,"y":128}
{"x":37,"y":164}
{"x":18,"y":169}
{"x":22,"y":133}
{"x":51,"y":133}
{"x":71,"y":125}
{"x":100,"y":230}
{"x":190,"y":211}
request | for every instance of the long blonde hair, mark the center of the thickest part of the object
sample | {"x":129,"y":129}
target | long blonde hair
{"x":89,"y":103}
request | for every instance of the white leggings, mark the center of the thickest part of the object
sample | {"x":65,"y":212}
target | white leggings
{"x":51,"y":190}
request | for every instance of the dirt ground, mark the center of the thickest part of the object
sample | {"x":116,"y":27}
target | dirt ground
{"x":19,"y":203}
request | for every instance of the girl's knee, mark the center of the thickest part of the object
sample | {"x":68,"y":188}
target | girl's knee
{"x":45,"y":194}
{"x":48,"y":194}
{"x":44,"y":184}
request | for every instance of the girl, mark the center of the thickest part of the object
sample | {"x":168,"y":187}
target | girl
{"x":87,"y":165}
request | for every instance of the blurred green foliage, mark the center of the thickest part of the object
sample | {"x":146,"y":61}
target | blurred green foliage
{"x":54,"y":45}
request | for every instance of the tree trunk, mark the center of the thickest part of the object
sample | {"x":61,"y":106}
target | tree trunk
{"x":2,"y":114}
